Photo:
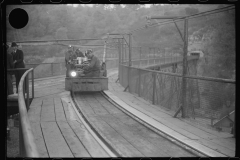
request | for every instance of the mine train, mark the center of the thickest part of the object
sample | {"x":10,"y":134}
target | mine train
{"x":76,"y":82}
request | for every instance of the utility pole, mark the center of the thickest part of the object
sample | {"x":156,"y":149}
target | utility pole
{"x":184,"y":37}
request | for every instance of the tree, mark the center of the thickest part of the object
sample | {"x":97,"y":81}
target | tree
{"x":190,"y":11}
{"x":61,"y":33}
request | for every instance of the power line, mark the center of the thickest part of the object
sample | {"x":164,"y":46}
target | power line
{"x":185,"y":17}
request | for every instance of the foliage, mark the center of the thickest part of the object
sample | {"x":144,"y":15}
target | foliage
{"x":190,"y":11}
{"x":48,"y":22}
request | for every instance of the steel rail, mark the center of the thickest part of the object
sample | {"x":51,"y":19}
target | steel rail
{"x":187,"y":76}
{"x":105,"y":144}
{"x":110,"y":151}
{"x":156,"y":130}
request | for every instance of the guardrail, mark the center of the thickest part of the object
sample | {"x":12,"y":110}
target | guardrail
{"x":43,"y":70}
{"x":204,"y":95}
{"x":27,"y":146}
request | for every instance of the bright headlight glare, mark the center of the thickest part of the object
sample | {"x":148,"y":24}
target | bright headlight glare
{"x":73,"y":74}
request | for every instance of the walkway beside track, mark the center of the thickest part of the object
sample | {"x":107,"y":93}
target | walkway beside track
{"x":207,"y":141}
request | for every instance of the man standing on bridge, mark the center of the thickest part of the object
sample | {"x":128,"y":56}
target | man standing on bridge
{"x":18,"y":62}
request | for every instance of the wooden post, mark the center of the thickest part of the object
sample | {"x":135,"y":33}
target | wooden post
{"x":148,"y":55}
{"x":27,"y":85}
{"x":129,"y":61}
{"x":184,"y":82}
{"x":164,"y":55}
{"x":140,"y":56}
{"x":154,"y":52}
{"x":32,"y":83}
{"x":130,"y":49}
{"x":139,"y":82}
{"x":52,"y":69}
{"x":120,"y":57}
{"x":154,"y":87}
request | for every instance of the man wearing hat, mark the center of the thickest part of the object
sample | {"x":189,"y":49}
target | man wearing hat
{"x":93,"y":69}
{"x":18,"y":62}
{"x":79,"y":53}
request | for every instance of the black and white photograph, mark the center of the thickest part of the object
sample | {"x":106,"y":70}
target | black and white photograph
{"x":120,"y":80}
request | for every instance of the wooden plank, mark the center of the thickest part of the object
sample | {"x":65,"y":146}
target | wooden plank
{"x":34,"y":114}
{"x":230,"y":143}
{"x":56,"y":144}
{"x":160,"y":142}
{"x":122,"y":146}
{"x":139,"y":142}
{"x":154,"y":138}
{"x":36,"y":102}
{"x":203,"y":149}
{"x":98,"y":108}
{"x":106,"y":104}
{"x":148,"y":109}
{"x":49,"y":91}
{"x":69,"y":111}
{"x":48,"y":113}
{"x":59,"y":111}
{"x":92,"y":146}
{"x":173,"y":123}
{"x":77,"y":148}
{"x":95,"y":105}
{"x":84,"y":106}
{"x":210,"y":131}
{"x":221,"y":149}
{"x":38,"y":138}
{"x":48,"y":101}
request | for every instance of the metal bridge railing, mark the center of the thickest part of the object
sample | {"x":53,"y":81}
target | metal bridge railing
{"x":42,"y":70}
{"x":207,"y":99}
{"x":27,"y":146}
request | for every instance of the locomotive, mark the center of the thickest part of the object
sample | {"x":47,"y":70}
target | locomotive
{"x":77,"y":82}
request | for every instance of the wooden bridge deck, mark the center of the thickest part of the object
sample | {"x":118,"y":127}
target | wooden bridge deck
{"x":57,"y":129}
{"x":207,"y":141}
{"x":59,"y":133}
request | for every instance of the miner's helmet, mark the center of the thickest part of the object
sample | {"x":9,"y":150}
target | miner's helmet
{"x":89,"y":51}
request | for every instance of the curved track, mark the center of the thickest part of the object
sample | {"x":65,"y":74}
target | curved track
{"x":117,"y":133}
{"x":125,"y":136}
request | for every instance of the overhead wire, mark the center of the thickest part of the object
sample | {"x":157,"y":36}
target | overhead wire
{"x":231,"y":7}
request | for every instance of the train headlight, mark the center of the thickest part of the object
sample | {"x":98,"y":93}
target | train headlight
{"x":73,"y":74}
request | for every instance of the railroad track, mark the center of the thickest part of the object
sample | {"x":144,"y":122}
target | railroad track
{"x":121,"y":134}
{"x":118,"y":132}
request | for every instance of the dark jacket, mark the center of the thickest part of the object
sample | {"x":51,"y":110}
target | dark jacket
{"x":79,"y":54}
{"x":10,"y":64}
{"x":18,"y":56}
{"x":69,"y":56}
{"x":94,"y":65}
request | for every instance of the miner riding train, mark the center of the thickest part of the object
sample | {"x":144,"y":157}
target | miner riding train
{"x":85,"y":72}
